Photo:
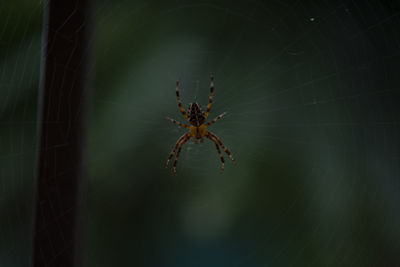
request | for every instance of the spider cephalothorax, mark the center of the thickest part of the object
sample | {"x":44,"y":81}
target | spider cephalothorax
{"x":197,"y":129}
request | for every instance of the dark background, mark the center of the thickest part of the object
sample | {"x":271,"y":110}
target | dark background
{"x":312,"y":92}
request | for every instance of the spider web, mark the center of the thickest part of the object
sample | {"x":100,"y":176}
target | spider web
{"x":20,"y":48}
{"x":311,"y":90}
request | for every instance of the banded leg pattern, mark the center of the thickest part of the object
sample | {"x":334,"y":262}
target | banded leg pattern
{"x":177,"y":144}
{"x":223,"y":147}
{"x":220,"y":156}
{"x":178,"y":123}
{"x":180,"y":102}
{"x":210,"y":98}
{"x":178,"y":152}
{"x":215,"y":120}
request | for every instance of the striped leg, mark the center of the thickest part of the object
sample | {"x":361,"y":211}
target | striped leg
{"x":178,"y":152}
{"x":178,"y":123}
{"x":183,"y":137}
{"x":179,"y":101}
{"x":211,"y":95}
{"x":215,"y":120}
{"x":223,"y":147}
{"x":219,"y":151}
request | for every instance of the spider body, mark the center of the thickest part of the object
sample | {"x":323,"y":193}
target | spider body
{"x":198,"y":128}
{"x":196,"y":114}
{"x":198,"y":132}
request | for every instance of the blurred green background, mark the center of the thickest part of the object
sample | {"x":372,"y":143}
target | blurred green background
{"x":311,"y":89}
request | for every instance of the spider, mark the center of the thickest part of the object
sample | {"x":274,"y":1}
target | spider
{"x":197,"y":130}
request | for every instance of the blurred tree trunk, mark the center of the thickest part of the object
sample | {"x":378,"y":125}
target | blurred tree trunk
{"x":62,"y":102}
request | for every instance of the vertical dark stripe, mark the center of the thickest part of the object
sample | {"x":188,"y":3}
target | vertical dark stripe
{"x":61,"y":130}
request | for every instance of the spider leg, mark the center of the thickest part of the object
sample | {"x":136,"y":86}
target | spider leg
{"x":221,"y":157}
{"x":178,"y":152}
{"x":219,"y":151}
{"x":179,"y":101}
{"x":183,"y":137}
{"x":178,"y":123}
{"x":211,"y":95}
{"x":222,"y":145}
{"x":215,"y":120}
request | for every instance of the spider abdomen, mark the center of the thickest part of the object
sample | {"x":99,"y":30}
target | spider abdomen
{"x":196,"y":114}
